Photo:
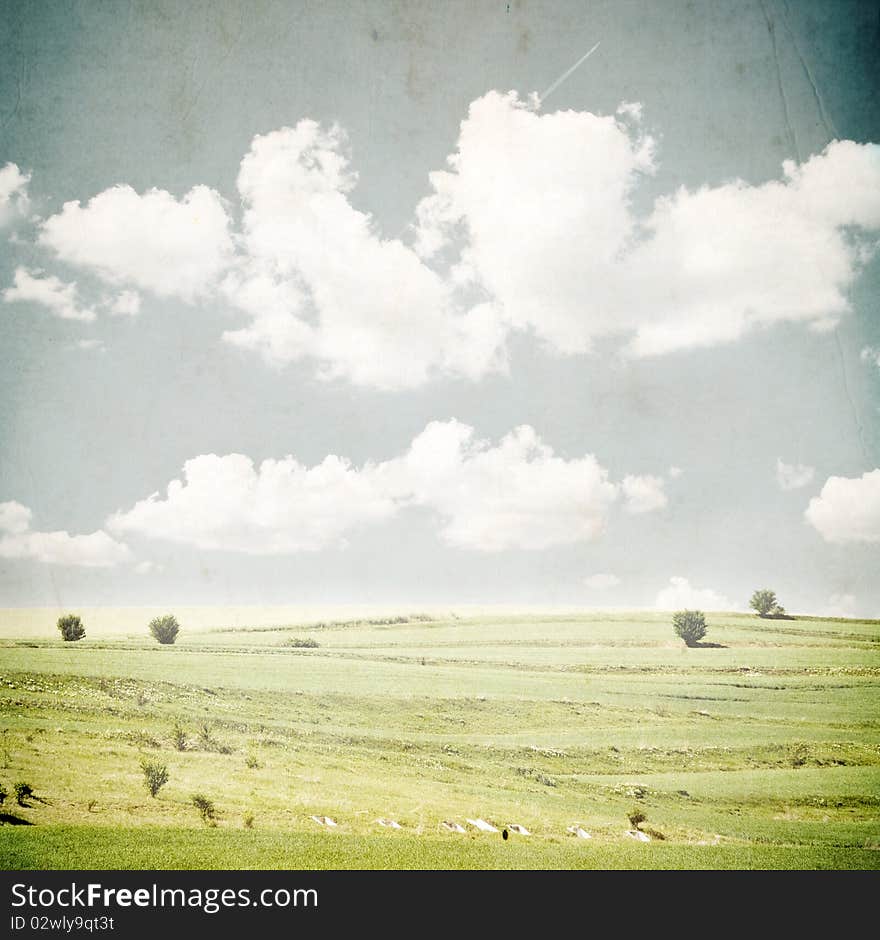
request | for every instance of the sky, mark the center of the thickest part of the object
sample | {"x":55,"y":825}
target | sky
{"x":352,"y":303}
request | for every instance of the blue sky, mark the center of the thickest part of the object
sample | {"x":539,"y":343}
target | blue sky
{"x":322,"y":303}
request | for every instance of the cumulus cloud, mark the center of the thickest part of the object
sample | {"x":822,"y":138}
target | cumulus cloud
{"x":97,"y":550}
{"x":602,"y":582}
{"x":537,"y":208}
{"x":847,"y":509}
{"x":13,"y":193}
{"x":48,"y":291}
{"x":679,"y":594}
{"x":14,"y":518}
{"x":793,"y":476}
{"x":318,"y":280}
{"x":515,"y":494}
{"x":644,"y":493}
{"x":152,"y":241}
{"x":281,"y":506}
{"x":531,"y":227}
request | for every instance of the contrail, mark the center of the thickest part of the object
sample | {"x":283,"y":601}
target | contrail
{"x":564,"y":76}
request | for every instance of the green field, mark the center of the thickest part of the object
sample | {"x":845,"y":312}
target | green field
{"x":762,"y":751}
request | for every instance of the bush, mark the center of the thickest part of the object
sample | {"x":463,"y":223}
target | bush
{"x":155,"y":776}
{"x":178,"y":737}
{"x":206,"y":809}
{"x":251,"y":762}
{"x":71,"y":627}
{"x":690,"y":625}
{"x":3,"y":794}
{"x":306,"y":644}
{"x":636,"y":818}
{"x":22,"y":792}
{"x":207,"y":741}
{"x":165,"y":629}
{"x":765,"y":603}
{"x":248,"y":820}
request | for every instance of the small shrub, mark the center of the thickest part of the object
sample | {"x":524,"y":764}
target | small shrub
{"x":207,"y":741}
{"x":165,"y":629}
{"x":206,"y":809}
{"x":303,"y":644}
{"x":23,"y":791}
{"x":636,"y":818}
{"x":178,"y":737}
{"x":3,"y":794}
{"x":690,"y":625}
{"x":71,"y":627}
{"x":248,"y":820}
{"x":251,"y":762}
{"x":144,"y":739}
{"x":155,"y":776}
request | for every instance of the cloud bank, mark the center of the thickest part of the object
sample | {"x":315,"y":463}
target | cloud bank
{"x":515,"y":494}
{"x":530,"y":228}
{"x":17,"y":540}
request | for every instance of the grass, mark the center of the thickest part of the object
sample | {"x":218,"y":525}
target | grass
{"x":762,"y":752}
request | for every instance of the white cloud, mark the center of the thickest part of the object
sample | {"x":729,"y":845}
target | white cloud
{"x":516,"y":494}
{"x":226,"y":503}
{"x":793,"y":476}
{"x":126,"y":304}
{"x":96,"y":344}
{"x":644,"y":493}
{"x":538,"y":209}
{"x":150,"y":241}
{"x":531,"y":228}
{"x":97,"y":550}
{"x":871,"y":354}
{"x":318,"y":280}
{"x":847,"y":509}
{"x":148,"y":567}
{"x":49,"y":292}
{"x":13,"y":193}
{"x":14,"y":518}
{"x":675,"y":472}
{"x":602,"y":582}
{"x":680,"y":595}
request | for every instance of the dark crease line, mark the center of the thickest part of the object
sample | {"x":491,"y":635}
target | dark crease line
{"x":772,"y":30}
{"x":849,"y":398}
{"x":825,"y":118}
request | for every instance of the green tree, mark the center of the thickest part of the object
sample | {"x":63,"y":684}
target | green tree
{"x":165,"y":629}
{"x":765,"y":603}
{"x":71,"y":627}
{"x":690,"y":625}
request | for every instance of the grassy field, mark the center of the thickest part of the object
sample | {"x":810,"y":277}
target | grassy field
{"x":762,"y":751}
